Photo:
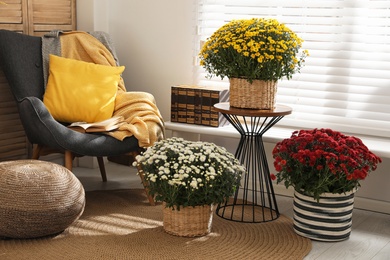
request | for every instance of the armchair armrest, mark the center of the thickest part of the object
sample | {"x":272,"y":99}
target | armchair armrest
{"x":42,"y":128}
{"x":39,"y":125}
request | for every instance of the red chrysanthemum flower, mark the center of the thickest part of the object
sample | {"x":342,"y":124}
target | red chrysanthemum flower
{"x":322,"y":160}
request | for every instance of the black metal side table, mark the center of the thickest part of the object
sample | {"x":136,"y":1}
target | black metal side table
{"x":254,"y":201}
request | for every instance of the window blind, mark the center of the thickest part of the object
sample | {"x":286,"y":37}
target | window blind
{"x":345,"y":84}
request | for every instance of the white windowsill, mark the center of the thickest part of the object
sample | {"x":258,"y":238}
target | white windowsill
{"x":379,"y":146}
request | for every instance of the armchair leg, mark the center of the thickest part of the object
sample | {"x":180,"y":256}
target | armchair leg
{"x":69,"y":160}
{"x":36,"y":152}
{"x":102,"y":168}
{"x":150,"y":197}
{"x":39,"y":149}
{"x":144,"y":182}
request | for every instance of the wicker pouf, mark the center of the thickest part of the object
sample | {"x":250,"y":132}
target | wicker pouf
{"x":38,"y":198}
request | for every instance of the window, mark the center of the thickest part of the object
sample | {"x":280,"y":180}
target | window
{"x":345,"y":84}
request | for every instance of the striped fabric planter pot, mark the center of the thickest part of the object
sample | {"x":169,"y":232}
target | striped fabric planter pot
{"x":330,"y":219}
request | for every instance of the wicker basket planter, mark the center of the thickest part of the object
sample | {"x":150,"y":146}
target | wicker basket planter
{"x":259,"y":94}
{"x":188,"y":221}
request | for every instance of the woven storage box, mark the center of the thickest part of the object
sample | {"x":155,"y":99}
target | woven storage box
{"x":38,"y":198}
{"x":259,"y":94}
{"x":188,"y":221}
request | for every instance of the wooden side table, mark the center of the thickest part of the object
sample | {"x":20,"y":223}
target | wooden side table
{"x":254,"y":201}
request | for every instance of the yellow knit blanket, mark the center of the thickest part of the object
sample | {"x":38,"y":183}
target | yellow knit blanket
{"x":143,"y":119}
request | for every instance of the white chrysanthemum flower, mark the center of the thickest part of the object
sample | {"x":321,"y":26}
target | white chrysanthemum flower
{"x":194,"y":184}
{"x":153,"y":178}
{"x":177,"y":166}
{"x":150,"y":161}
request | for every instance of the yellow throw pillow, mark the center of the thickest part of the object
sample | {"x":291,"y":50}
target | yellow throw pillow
{"x":81,"y":91}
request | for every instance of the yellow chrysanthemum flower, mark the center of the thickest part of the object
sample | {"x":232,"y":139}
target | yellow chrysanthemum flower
{"x":255,"y":48}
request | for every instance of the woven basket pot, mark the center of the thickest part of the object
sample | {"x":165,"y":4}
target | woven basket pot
{"x":259,"y":94}
{"x":188,"y":221}
{"x":329,"y":220}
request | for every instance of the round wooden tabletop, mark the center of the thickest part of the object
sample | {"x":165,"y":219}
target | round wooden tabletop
{"x":279,"y":110}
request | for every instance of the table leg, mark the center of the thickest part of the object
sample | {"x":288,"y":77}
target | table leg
{"x":254,"y":201}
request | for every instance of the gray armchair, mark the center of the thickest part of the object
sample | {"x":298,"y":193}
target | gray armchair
{"x":21,"y":61}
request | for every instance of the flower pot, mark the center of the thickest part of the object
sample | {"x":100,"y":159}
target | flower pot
{"x":188,"y":221}
{"x":259,"y":94}
{"x":330,"y":219}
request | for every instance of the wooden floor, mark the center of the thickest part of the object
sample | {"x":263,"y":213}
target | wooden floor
{"x":370,"y":237}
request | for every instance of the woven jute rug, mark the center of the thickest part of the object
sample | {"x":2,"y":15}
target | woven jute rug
{"x":122,"y":225}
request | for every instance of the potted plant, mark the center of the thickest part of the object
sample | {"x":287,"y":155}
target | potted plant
{"x":189,"y":176}
{"x":254,"y":54}
{"x":325,"y":168}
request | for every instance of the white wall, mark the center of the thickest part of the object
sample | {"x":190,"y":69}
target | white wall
{"x":153,"y":39}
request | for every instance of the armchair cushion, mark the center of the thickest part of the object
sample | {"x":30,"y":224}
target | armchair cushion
{"x":81,"y":91}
